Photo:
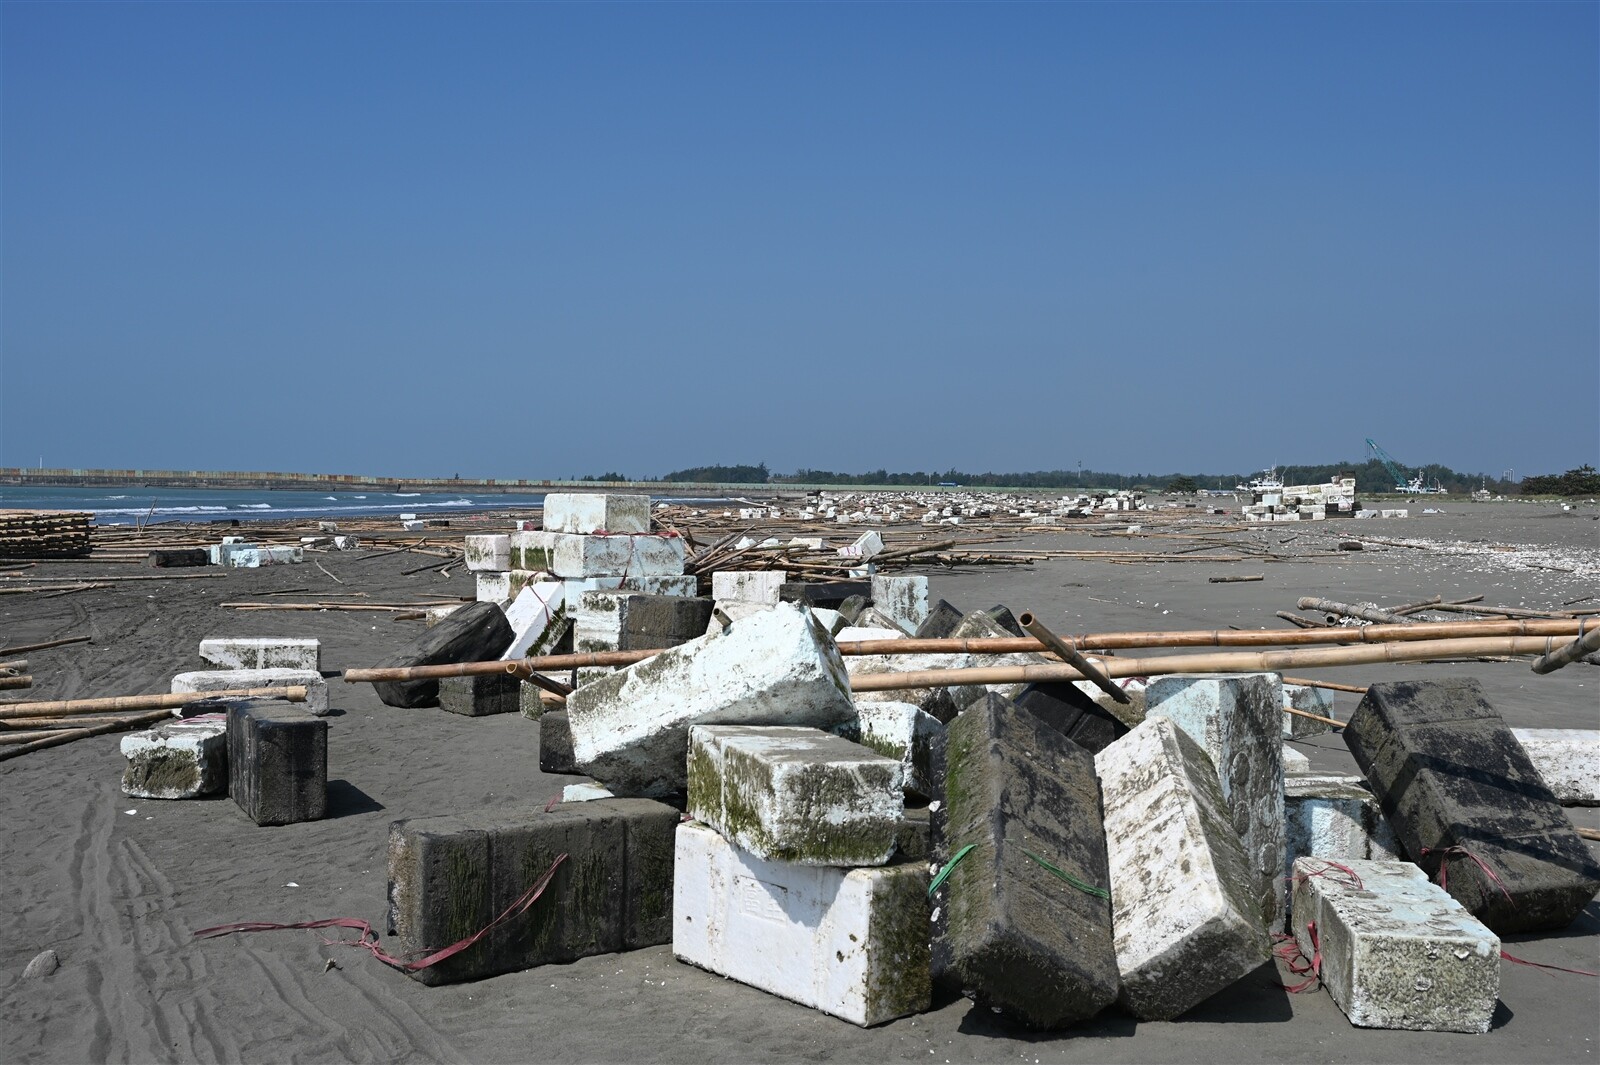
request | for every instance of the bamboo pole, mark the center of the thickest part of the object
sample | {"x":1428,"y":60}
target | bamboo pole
{"x":1350,"y":610}
{"x":69,"y":735}
{"x":9,"y":738}
{"x":25,"y":648}
{"x":23,"y":681}
{"x":1235,"y":580}
{"x":1587,"y":644}
{"x":1505,"y":611}
{"x":1307,"y":682}
{"x":295,"y":693}
{"x":14,"y":668}
{"x":1588,"y":833}
{"x":1069,"y":654}
{"x":1222,"y":662}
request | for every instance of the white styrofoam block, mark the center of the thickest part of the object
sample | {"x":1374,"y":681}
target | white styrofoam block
{"x":262,"y":652}
{"x":852,"y":943}
{"x":536,"y":616}
{"x":903,"y":732}
{"x":903,"y":598}
{"x":494,"y":586}
{"x":748,"y":586}
{"x":1184,"y":903}
{"x":831,"y":620}
{"x":215,"y":680}
{"x":1236,"y":719}
{"x":253,"y":556}
{"x":182,"y":759}
{"x":778,"y":667}
{"x":435,"y":614}
{"x":685,"y":584}
{"x":795,"y":794}
{"x":1397,"y":951}
{"x":1294,"y":762}
{"x":570,"y":555}
{"x":587,"y":791}
{"x":1310,"y":700}
{"x":865,"y":546}
{"x":488,"y":551}
{"x":1328,"y":815}
{"x":1568,"y":759}
{"x":873,"y":618}
{"x":856,"y":633}
{"x":596,"y":512}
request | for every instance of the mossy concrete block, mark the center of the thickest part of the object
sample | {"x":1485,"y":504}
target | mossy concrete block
{"x":1568,"y":759}
{"x":1397,"y":951}
{"x":487,"y":551}
{"x":573,"y":556}
{"x":216,"y":680}
{"x":555,"y":743}
{"x":451,"y":876}
{"x":903,"y":598}
{"x":630,"y":729}
{"x":910,"y":736}
{"x":795,"y":794}
{"x":1310,"y":700}
{"x":596,"y":512}
{"x":831,"y":594}
{"x":262,"y":652}
{"x":177,"y":759}
{"x":478,"y":632}
{"x":1013,"y":934}
{"x":872,"y":618}
{"x":941,"y":621}
{"x":1187,"y":920}
{"x":1235,"y":720}
{"x":480,"y":696}
{"x":852,"y":943}
{"x":986,"y":625}
{"x":1328,"y":815}
{"x":1459,"y":789}
{"x":277,"y":761}
{"x":748,"y":586}
{"x":913,"y":841}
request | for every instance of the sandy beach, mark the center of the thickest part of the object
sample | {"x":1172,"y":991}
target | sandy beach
{"x":116,"y":886}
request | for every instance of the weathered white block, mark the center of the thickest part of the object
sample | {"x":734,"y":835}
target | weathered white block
{"x":262,"y":652}
{"x":435,"y":614}
{"x":795,"y":794}
{"x":856,"y":633}
{"x":658,"y":584}
{"x":494,"y":586}
{"x":873,"y":618}
{"x":724,"y":614}
{"x":253,"y":556}
{"x":778,"y":667}
{"x":596,"y":512}
{"x":1309,"y":700}
{"x":852,"y":943}
{"x":831,"y":620}
{"x":177,"y":759}
{"x":865,"y":546}
{"x":1235,"y":718}
{"x":570,"y":555}
{"x":1397,"y":951}
{"x":489,"y":551}
{"x":1294,"y":762}
{"x":215,"y":680}
{"x":1184,"y":899}
{"x":587,"y":791}
{"x":1568,"y":759}
{"x":905,"y":599}
{"x":1328,"y":815}
{"x":908,"y":735}
{"x":538,"y":617}
{"x":748,"y":586}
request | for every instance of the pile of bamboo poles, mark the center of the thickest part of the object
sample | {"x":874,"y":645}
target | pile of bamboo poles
{"x":28,"y":727}
{"x":44,"y":534}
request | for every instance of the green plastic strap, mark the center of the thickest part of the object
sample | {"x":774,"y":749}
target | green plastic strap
{"x":948,"y":866}
{"x":1068,"y":877}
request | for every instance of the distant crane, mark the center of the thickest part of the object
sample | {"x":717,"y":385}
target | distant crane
{"x":1402,"y":483}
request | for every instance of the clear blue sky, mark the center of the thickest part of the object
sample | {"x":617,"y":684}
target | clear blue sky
{"x":548,"y":240}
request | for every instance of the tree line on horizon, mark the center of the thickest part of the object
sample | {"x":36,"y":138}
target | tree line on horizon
{"x":1371,"y":478}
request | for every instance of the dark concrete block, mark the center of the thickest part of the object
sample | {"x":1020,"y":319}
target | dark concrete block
{"x":1005,"y":619}
{"x":830,"y":594}
{"x":480,"y":696}
{"x":653,"y":622}
{"x":1065,"y":708}
{"x":453,"y":875}
{"x":477,"y":632}
{"x":940,"y":622}
{"x":1008,"y":931}
{"x":852,"y":607}
{"x":1448,"y":773}
{"x":170,"y":558}
{"x":555,"y":743}
{"x":277,"y":761}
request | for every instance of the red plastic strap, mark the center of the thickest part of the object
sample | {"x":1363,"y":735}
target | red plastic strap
{"x":1288,"y":951}
{"x":1457,"y":852}
{"x":1541,"y":965}
{"x":1349,"y":877}
{"x":368,"y":939}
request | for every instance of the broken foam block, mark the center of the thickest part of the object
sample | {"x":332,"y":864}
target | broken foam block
{"x":489,"y":551}
{"x":1336,"y":817}
{"x":555,"y":743}
{"x":1062,"y":706}
{"x":277,"y":761}
{"x":177,"y":759}
{"x":747,"y":586}
{"x":215,"y":680}
{"x":1310,"y":700}
{"x":913,"y":738}
{"x":262,"y":652}
{"x":1568,"y":759}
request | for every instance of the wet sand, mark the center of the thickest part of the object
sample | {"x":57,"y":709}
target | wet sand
{"x":117,"y":893}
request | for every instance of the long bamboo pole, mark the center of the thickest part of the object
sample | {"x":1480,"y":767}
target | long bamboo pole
{"x":1224,"y":662}
{"x":69,"y":735}
{"x":1350,"y":610}
{"x":295,"y":693}
{"x":8,"y":739}
{"x":1587,"y":644}
{"x":25,"y":648}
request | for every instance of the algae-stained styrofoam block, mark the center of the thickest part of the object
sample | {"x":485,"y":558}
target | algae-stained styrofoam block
{"x":596,"y":512}
{"x":1022,"y":815}
{"x":177,"y":759}
{"x":481,"y":695}
{"x":216,"y":680}
{"x":478,"y":632}
{"x":630,"y":729}
{"x":487,"y":551}
{"x":873,"y":618}
{"x":795,"y":794}
{"x":1328,"y":815}
{"x":555,"y":743}
{"x":910,"y":736}
{"x":277,"y":761}
{"x":1452,"y":778}
{"x":573,"y":556}
{"x":452,"y":875}
{"x":1235,"y":720}
{"x":493,"y":586}
{"x":536,"y":616}
{"x":618,"y":620}
{"x":903,"y":598}
{"x":748,"y":586}
{"x":1397,"y":951}
{"x":262,"y":652}
{"x":852,"y":943}
{"x":1568,"y":759}
{"x":1311,"y":700}
{"x":1184,"y":899}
